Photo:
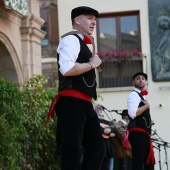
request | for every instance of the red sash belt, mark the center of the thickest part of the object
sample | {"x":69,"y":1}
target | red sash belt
{"x":72,"y":93}
{"x":151,"y":153}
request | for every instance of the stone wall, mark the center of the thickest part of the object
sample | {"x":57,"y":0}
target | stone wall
{"x":21,"y":37}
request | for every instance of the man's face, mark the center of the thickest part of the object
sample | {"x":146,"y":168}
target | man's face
{"x":126,"y":118}
{"x":99,"y":111}
{"x":139,"y":82}
{"x":164,"y":23}
{"x":86,"y":23}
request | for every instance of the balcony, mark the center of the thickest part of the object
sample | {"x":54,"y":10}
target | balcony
{"x":119,"y":74}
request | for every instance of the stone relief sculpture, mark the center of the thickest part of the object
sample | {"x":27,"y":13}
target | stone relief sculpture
{"x":161,"y":54}
{"x":21,"y":6}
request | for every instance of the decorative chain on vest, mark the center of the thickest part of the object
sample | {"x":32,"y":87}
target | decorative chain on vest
{"x":148,"y":126}
{"x":86,"y":82}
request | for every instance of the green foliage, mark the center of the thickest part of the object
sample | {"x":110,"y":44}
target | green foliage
{"x":27,"y":143}
{"x":13,"y":131}
{"x":27,"y":140}
{"x":39,"y":150}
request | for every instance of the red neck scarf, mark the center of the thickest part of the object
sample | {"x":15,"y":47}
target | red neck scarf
{"x":144,"y":92}
{"x":87,"y":40}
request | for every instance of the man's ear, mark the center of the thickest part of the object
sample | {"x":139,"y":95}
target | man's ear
{"x":77,"y":20}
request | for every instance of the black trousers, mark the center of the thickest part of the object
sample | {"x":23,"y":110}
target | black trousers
{"x":140,"y":143}
{"x":105,"y":164}
{"x":125,"y":163}
{"x":78,"y":135}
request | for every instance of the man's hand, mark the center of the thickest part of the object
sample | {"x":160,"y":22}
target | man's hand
{"x":146,"y":102}
{"x":95,"y":61}
{"x":141,"y":109}
{"x":107,"y":130}
{"x":112,"y":135}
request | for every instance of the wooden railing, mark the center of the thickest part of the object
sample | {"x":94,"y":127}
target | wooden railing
{"x":118,"y":74}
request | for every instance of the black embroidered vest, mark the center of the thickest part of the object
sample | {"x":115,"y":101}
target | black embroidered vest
{"x":142,"y":121}
{"x":85,"y":82}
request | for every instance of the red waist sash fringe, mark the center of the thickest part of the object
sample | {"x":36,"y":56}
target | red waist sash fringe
{"x":70,"y":92}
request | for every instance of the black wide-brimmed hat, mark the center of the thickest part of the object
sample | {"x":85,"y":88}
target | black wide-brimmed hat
{"x":83,"y":10}
{"x":140,"y":73}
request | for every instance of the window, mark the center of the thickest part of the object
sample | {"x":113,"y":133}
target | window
{"x":118,"y":33}
{"x":45,"y":41}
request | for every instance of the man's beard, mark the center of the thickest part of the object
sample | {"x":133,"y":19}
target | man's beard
{"x":140,"y":86}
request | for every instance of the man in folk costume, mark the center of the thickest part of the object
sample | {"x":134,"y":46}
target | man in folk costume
{"x":140,"y":125}
{"x":78,"y":127}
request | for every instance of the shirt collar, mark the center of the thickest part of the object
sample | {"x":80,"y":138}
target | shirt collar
{"x":136,"y":89}
{"x":80,"y":35}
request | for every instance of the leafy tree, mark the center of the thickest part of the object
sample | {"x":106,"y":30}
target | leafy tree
{"x":27,"y":143}
{"x":12,"y":129}
{"x":39,"y":150}
{"x":26,"y":140}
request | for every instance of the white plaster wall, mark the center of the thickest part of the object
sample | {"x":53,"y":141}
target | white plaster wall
{"x":116,"y":98}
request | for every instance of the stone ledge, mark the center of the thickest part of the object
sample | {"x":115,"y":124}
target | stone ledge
{"x":112,"y":89}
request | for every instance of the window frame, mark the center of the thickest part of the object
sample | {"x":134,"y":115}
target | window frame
{"x":118,"y":33}
{"x":117,"y":17}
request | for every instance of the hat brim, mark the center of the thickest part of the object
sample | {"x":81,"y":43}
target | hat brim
{"x":83,"y":10}
{"x":142,"y":74}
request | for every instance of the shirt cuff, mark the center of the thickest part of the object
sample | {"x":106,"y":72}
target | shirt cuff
{"x":64,"y":69}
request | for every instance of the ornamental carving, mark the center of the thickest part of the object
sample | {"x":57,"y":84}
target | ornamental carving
{"x":159,"y":24}
{"x":21,"y":6}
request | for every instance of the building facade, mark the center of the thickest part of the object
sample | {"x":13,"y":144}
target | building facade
{"x":49,"y":12}
{"x":20,"y":39}
{"x":123,"y":29}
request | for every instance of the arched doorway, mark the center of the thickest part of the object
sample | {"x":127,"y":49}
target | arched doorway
{"x":10,"y":65}
{"x":7,"y":68}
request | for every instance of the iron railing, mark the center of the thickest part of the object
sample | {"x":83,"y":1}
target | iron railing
{"x":119,"y":74}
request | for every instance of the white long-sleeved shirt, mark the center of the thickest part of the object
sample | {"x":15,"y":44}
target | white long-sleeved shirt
{"x":133,"y":102}
{"x":68,"y":50}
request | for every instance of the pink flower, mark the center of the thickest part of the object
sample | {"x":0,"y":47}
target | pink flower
{"x":120,"y":55}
